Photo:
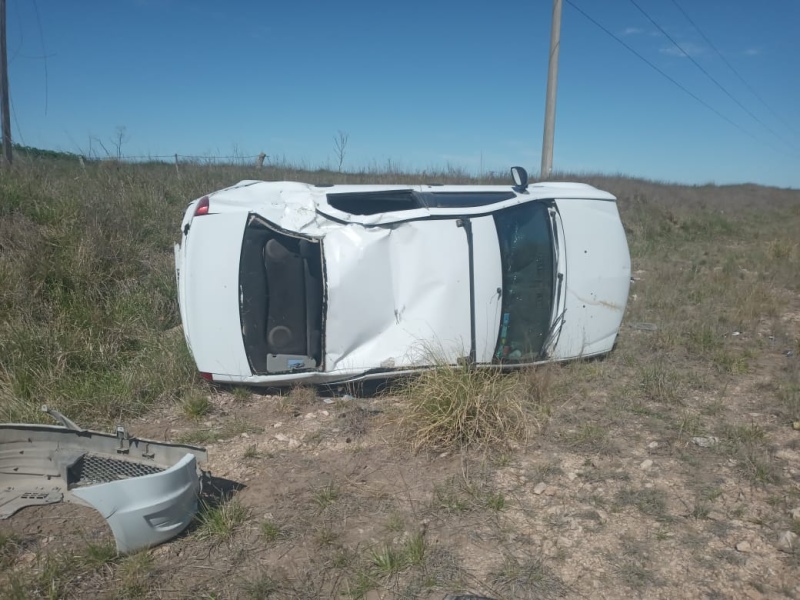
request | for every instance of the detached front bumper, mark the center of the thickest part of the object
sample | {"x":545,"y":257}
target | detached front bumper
{"x":147,"y":491}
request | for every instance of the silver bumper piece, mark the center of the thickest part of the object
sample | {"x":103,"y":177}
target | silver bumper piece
{"x":147,"y":491}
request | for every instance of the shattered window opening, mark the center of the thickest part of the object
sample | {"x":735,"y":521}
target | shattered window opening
{"x":375,"y":203}
{"x":527,"y":256}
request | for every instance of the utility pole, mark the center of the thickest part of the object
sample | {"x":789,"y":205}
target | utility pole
{"x":552,"y":84}
{"x":4,"y":113}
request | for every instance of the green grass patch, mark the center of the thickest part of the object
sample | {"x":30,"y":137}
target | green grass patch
{"x":218,"y":523}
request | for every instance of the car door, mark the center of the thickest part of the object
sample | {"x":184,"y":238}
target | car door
{"x":397,"y":296}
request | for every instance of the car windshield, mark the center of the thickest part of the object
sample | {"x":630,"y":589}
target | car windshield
{"x":526,"y":250}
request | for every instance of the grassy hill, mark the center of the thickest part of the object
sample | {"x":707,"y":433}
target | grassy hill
{"x":87,"y":279}
{"x":668,"y":469}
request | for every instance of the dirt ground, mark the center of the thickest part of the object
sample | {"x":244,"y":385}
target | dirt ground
{"x":609,"y":500}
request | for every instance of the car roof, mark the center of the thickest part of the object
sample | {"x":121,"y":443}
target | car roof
{"x":398,"y":202}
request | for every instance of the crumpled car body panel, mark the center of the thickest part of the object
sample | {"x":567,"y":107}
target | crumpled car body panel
{"x":147,"y":491}
{"x":147,"y":510}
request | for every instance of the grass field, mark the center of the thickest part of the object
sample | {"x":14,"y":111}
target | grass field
{"x":671,"y":468}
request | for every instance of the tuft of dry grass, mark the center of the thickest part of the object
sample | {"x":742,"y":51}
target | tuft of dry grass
{"x":457,"y":406}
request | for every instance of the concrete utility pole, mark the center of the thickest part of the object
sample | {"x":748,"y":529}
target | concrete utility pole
{"x":6,"y":118}
{"x":552,"y":85}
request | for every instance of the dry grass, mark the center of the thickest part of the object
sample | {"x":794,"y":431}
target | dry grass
{"x":350,"y":512}
{"x":456,"y":406}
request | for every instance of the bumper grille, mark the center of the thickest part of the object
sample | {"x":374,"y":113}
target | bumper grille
{"x":90,"y":470}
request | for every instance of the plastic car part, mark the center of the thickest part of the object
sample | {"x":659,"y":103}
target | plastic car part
{"x":147,"y":491}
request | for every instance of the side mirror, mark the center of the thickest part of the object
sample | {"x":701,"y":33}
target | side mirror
{"x":520,"y":177}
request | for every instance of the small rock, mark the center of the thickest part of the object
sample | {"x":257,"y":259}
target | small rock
{"x":444,"y":455}
{"x":572,"y":476}
{"x":652,"y":445}
{"x":293,"y":443}
{"x":281,"y":437}
{"x":602,"y":514}
{"x":278,"y":424}
{"x":743,"y":547}
{"x":795,"y":512}
{"x":310,"y":416}
{"x":550,"y":491}
{"x":539,"y":488}
{"x":646,"y":464}
{"x":796,"y":425}
{"x":706,"y":441}
{"x":324,"y":413}
{"x":244,"y":434}
{"x":787,"y":541}
{"x":563,"y":542}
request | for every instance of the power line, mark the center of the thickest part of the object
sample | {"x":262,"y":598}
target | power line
{"x":44,"y":55}
{"x":707,"y":74}
{"x":16,"y":122}
{"x":730,"y":66}
{"x":670,"y":79}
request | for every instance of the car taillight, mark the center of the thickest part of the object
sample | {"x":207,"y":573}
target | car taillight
{"x":202,"y":207}
{"x":207,"y":376}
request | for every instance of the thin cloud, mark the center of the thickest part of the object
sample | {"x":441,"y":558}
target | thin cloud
{"x":632,"y":31}
{"x":686,"y":48}
{"x":752,"y":52}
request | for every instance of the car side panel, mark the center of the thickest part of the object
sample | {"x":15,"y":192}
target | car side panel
{"x":598,"y":277}
{"x":210,"y":280}
{"x":397,"y":297}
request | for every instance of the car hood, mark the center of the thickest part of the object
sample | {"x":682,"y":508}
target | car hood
{"x":597,"y":277}
{"x":208,"y":284}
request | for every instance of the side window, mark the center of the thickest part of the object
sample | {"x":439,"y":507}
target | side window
{"x":526,"y":252}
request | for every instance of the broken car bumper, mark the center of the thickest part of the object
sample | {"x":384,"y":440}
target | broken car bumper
{"x":147,"y":491}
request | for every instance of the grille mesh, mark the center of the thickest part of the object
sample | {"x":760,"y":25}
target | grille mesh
{"x":100,"y":469}
{"x":35,"y":495}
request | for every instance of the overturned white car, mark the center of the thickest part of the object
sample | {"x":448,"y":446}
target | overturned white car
{"x":283,"y":282}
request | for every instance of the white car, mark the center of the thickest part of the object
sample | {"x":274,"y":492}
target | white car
{"x":284,"y":282}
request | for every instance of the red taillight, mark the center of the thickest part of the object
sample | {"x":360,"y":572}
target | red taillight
{"x":202,"y":207}
{"x":207,"y":376}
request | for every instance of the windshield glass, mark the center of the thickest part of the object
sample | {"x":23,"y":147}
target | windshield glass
{"x":526,"y":251}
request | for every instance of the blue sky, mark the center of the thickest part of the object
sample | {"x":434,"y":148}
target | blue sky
{"x":422,"y":84}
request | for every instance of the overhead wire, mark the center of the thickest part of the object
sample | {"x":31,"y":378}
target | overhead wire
{"x":710,"y":77}
{"x":669,"y":78}
{"x":16,"y":121}
{"x":44,"y":55}
{"x":733,"y":69}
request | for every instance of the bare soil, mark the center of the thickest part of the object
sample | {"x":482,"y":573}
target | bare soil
{"x":610,"y":500}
